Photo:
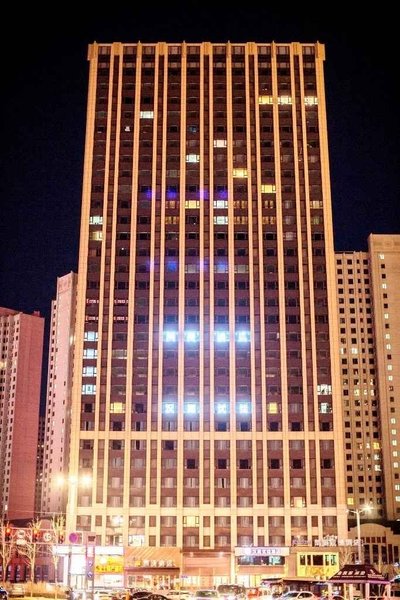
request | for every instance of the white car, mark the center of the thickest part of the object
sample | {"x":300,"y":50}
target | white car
{"x":298,"y":595}
{"x":178,"y":595}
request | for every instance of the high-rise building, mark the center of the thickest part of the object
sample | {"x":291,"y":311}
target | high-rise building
{"x":362,"y":444}
{"x":58,"y":400}
{"x":21,"y":340}
{"x":369,"y":312}
{"x":384,"y":252}
{"x":206,"y":399}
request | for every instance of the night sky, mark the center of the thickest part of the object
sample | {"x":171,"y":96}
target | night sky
{"x":44,"y":93}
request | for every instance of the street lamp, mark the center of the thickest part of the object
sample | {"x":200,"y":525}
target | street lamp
{"x":358,"y":512}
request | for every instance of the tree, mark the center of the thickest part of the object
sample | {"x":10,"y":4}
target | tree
{"x":58,"y":530}
{"x":7,"y":546}
{"x":346,"y":555}
{"x":28,"y":547}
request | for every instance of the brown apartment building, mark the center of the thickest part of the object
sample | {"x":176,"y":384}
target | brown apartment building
{"x":21,"y":340}
{"x":206,"y":402}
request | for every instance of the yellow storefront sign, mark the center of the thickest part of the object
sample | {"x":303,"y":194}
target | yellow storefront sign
{"x":109,"y":564}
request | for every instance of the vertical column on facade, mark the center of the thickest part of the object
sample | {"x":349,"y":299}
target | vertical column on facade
{"x":204,"y":302}
{"x":341,"y":509}
{"x":155,"y":441}
{"x":106,"y":294}
{"x":208,"y":51}
{"x":261,"y":405}
{"x":81,"y":289}
{"x":281,"y":289}
{"x":304,"y":262}
{"x":231,"y":301}
{"x":252,"y":267}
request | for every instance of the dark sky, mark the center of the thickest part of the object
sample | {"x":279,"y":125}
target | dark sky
{"x":43,"y":116}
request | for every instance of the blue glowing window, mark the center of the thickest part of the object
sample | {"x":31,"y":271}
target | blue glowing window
{"x":221,"y":336}
{"x":170,"y":336}
{"x":191,"y":336}
{"x":169,"y":408}
{"x":243,"y":337}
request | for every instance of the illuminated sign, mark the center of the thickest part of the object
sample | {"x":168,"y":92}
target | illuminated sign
{"x":262,"y":551}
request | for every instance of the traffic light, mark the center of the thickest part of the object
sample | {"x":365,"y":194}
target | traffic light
{"x":35,"y":535}
{"x":7,"y":533}
{"x":60,"y":537}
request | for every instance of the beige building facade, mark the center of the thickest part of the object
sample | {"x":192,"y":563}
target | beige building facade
{"x":206,"y":405}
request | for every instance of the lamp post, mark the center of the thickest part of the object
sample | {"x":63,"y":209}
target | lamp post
{"x":358,"y":512}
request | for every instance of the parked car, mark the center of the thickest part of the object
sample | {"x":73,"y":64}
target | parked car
{"x":3,"y":593}
{"x":299,"y":595}
{"x":178,"y":595}
{"x":17,"y":590}
{"x":205,"y":594}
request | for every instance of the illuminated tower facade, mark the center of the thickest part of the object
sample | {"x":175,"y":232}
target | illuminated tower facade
{"x":58,"y":401}
{"x":206,"y":399}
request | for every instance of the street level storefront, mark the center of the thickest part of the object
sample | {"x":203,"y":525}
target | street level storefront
{"x":152,"y":567}
{"x":255,"y":563}
{"x":206,"y":568}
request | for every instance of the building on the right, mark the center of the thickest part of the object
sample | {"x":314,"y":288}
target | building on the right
{"x":369,"y":355}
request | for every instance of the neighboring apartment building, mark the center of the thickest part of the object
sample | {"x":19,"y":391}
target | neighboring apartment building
{"x":39,"y":465}
{"x":206,"y":401}
{"x":21,"y":340}
{"x":369,"y":319}
{"x":58,"y":399}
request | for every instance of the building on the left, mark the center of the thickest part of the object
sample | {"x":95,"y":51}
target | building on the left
{"x":21,"y":339}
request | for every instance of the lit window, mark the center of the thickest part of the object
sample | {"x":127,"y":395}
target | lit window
{"x":310,"y":100}
{"x":192,"y":204}
{"x":146,"y":114}
{"x":325,"y":408}
{"x":268,"y":188}
{"x":221,"y":336}
{"x":89,"y":371}
{"x":191,"y":408}
{"x":221,"y":220}
{"x":243,"y":408}
{"x":192,"y":336}
{"x":219,"y":143}
{"x":284,"y":99}
{"x":384,"y":286}
{"x":222,"y":408}
{"x":272,"y":408}
{"x":242,"y":337}
{"x":265,"y":100}
{"x":170,"y":336}
{"x":88,"y":389}
{"x":89,"y":353}
{"x":91,"y":336}
{"x":117,"y":408}
{"x":239,"y":172}
{"x":390,"y":367}
{"x":386,"y":315}
{"x":192,"y":158}
{"x":382,"y":256}
{"x":220,"y":203}
{"x":324,"y":389}
{"x":96,"y":236}
{"x":169,"y":408}
{"x":96,"y":220}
